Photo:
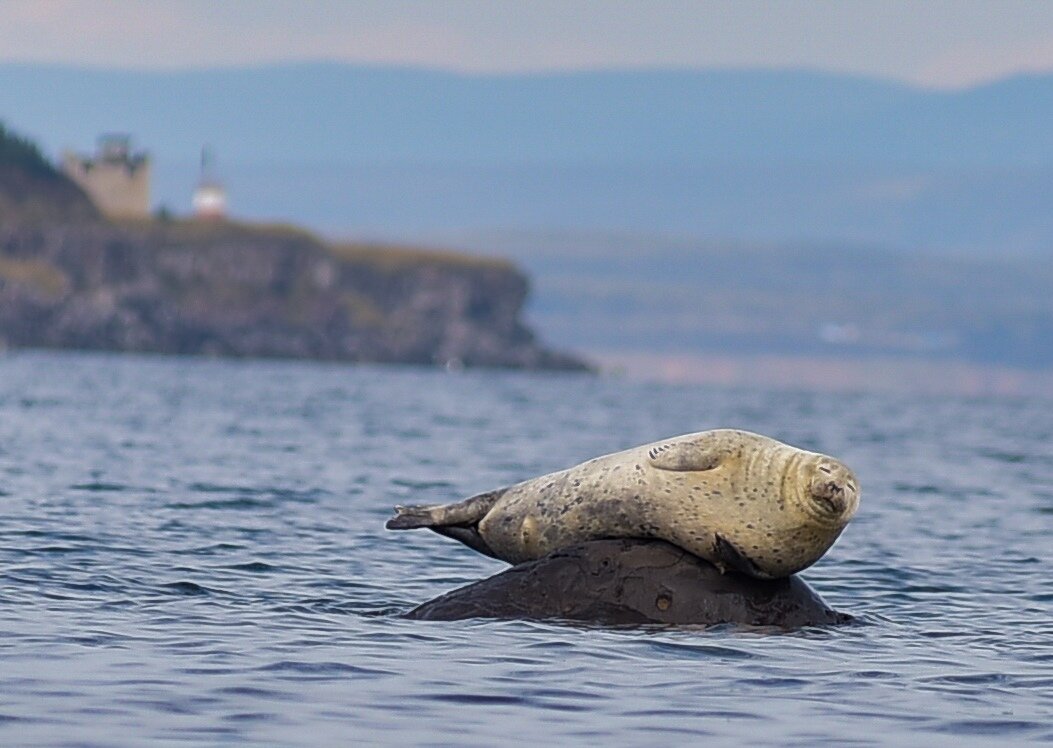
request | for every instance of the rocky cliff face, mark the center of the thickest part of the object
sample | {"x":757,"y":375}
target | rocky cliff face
{"x":233,"y":290}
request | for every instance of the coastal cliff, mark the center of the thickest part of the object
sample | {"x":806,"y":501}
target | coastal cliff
{"x":227,"y":289}
{"x":69,"y":278}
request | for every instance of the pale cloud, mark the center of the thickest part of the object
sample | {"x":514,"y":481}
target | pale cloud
{"x":101,"y":32}
{"x":942,"y":43}
{"x":974,"y":63}
{"x":405,"y":44}
{"x":150,"y":34}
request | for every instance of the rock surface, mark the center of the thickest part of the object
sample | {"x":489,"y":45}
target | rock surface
{"x":626,"y":582}
{"x":228,"y":289}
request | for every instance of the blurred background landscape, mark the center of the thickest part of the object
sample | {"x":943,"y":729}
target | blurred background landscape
{"x":271,"y":267}
{"x":774,"y":218}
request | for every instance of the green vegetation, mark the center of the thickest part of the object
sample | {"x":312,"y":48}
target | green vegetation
{"x":41,"y":275}
{"x":34,"y":191}
{"x":23,"y":154}
{"x":174,"y":228}
{"x":362,"y":310}
{"x":384,"y":257}
{"x":391,"y":257}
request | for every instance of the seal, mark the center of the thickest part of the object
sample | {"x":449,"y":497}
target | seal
{"x":739,"y":500}
{"x":632,"y":583}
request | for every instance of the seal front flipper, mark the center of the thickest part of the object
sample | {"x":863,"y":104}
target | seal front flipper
{"x":731,"y":557}
{"x":687,"y":454}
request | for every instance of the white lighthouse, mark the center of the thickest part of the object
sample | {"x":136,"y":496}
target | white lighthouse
{"x":210,"y":199}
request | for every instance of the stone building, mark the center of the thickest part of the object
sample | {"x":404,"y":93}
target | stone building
{"x":116,"y":179}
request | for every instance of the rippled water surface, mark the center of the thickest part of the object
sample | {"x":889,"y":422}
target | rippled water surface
{"x":193,"y":552}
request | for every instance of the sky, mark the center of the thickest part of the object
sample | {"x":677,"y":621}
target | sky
{"x":932,"y":43}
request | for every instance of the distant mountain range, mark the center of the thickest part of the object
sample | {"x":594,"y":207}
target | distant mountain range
{"x":742,"y":155}
{"x":333,"y":112}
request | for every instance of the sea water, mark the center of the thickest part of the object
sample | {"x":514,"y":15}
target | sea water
{"x":192,"y":552}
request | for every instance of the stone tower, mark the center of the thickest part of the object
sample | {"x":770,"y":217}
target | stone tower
{"x":116,"y":179}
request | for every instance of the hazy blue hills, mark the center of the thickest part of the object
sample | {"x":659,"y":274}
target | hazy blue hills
{"x":743,"y":155}
{"x":327,"y":112}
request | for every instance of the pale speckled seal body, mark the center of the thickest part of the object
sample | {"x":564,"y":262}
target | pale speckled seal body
{"x":734,"y":498}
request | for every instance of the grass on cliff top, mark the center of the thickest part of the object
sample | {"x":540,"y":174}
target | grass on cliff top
{"x":38,"y":274}
{"x":193,"y":229}
{"x":396,"y":257}
{"x":386,"y":256}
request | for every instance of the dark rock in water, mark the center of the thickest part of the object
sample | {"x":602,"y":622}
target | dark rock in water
{"x":617,"y":582}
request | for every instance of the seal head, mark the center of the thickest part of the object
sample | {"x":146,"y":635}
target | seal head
{"x":833,"y":491}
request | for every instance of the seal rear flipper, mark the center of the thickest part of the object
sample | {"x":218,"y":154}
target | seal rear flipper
{"x":463,"y":513}
{"x":412,"y":517}
{"x":470,"y":537}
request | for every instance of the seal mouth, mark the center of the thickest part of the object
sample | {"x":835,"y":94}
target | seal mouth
{"x":832,"y":499}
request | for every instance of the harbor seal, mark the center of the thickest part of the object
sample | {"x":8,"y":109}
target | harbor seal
{"x":739,"y":500}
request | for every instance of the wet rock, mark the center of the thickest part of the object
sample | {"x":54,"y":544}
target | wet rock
{"x":619,"y":582}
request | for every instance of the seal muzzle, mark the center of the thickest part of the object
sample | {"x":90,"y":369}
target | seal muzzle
{"x":833,"y":494}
